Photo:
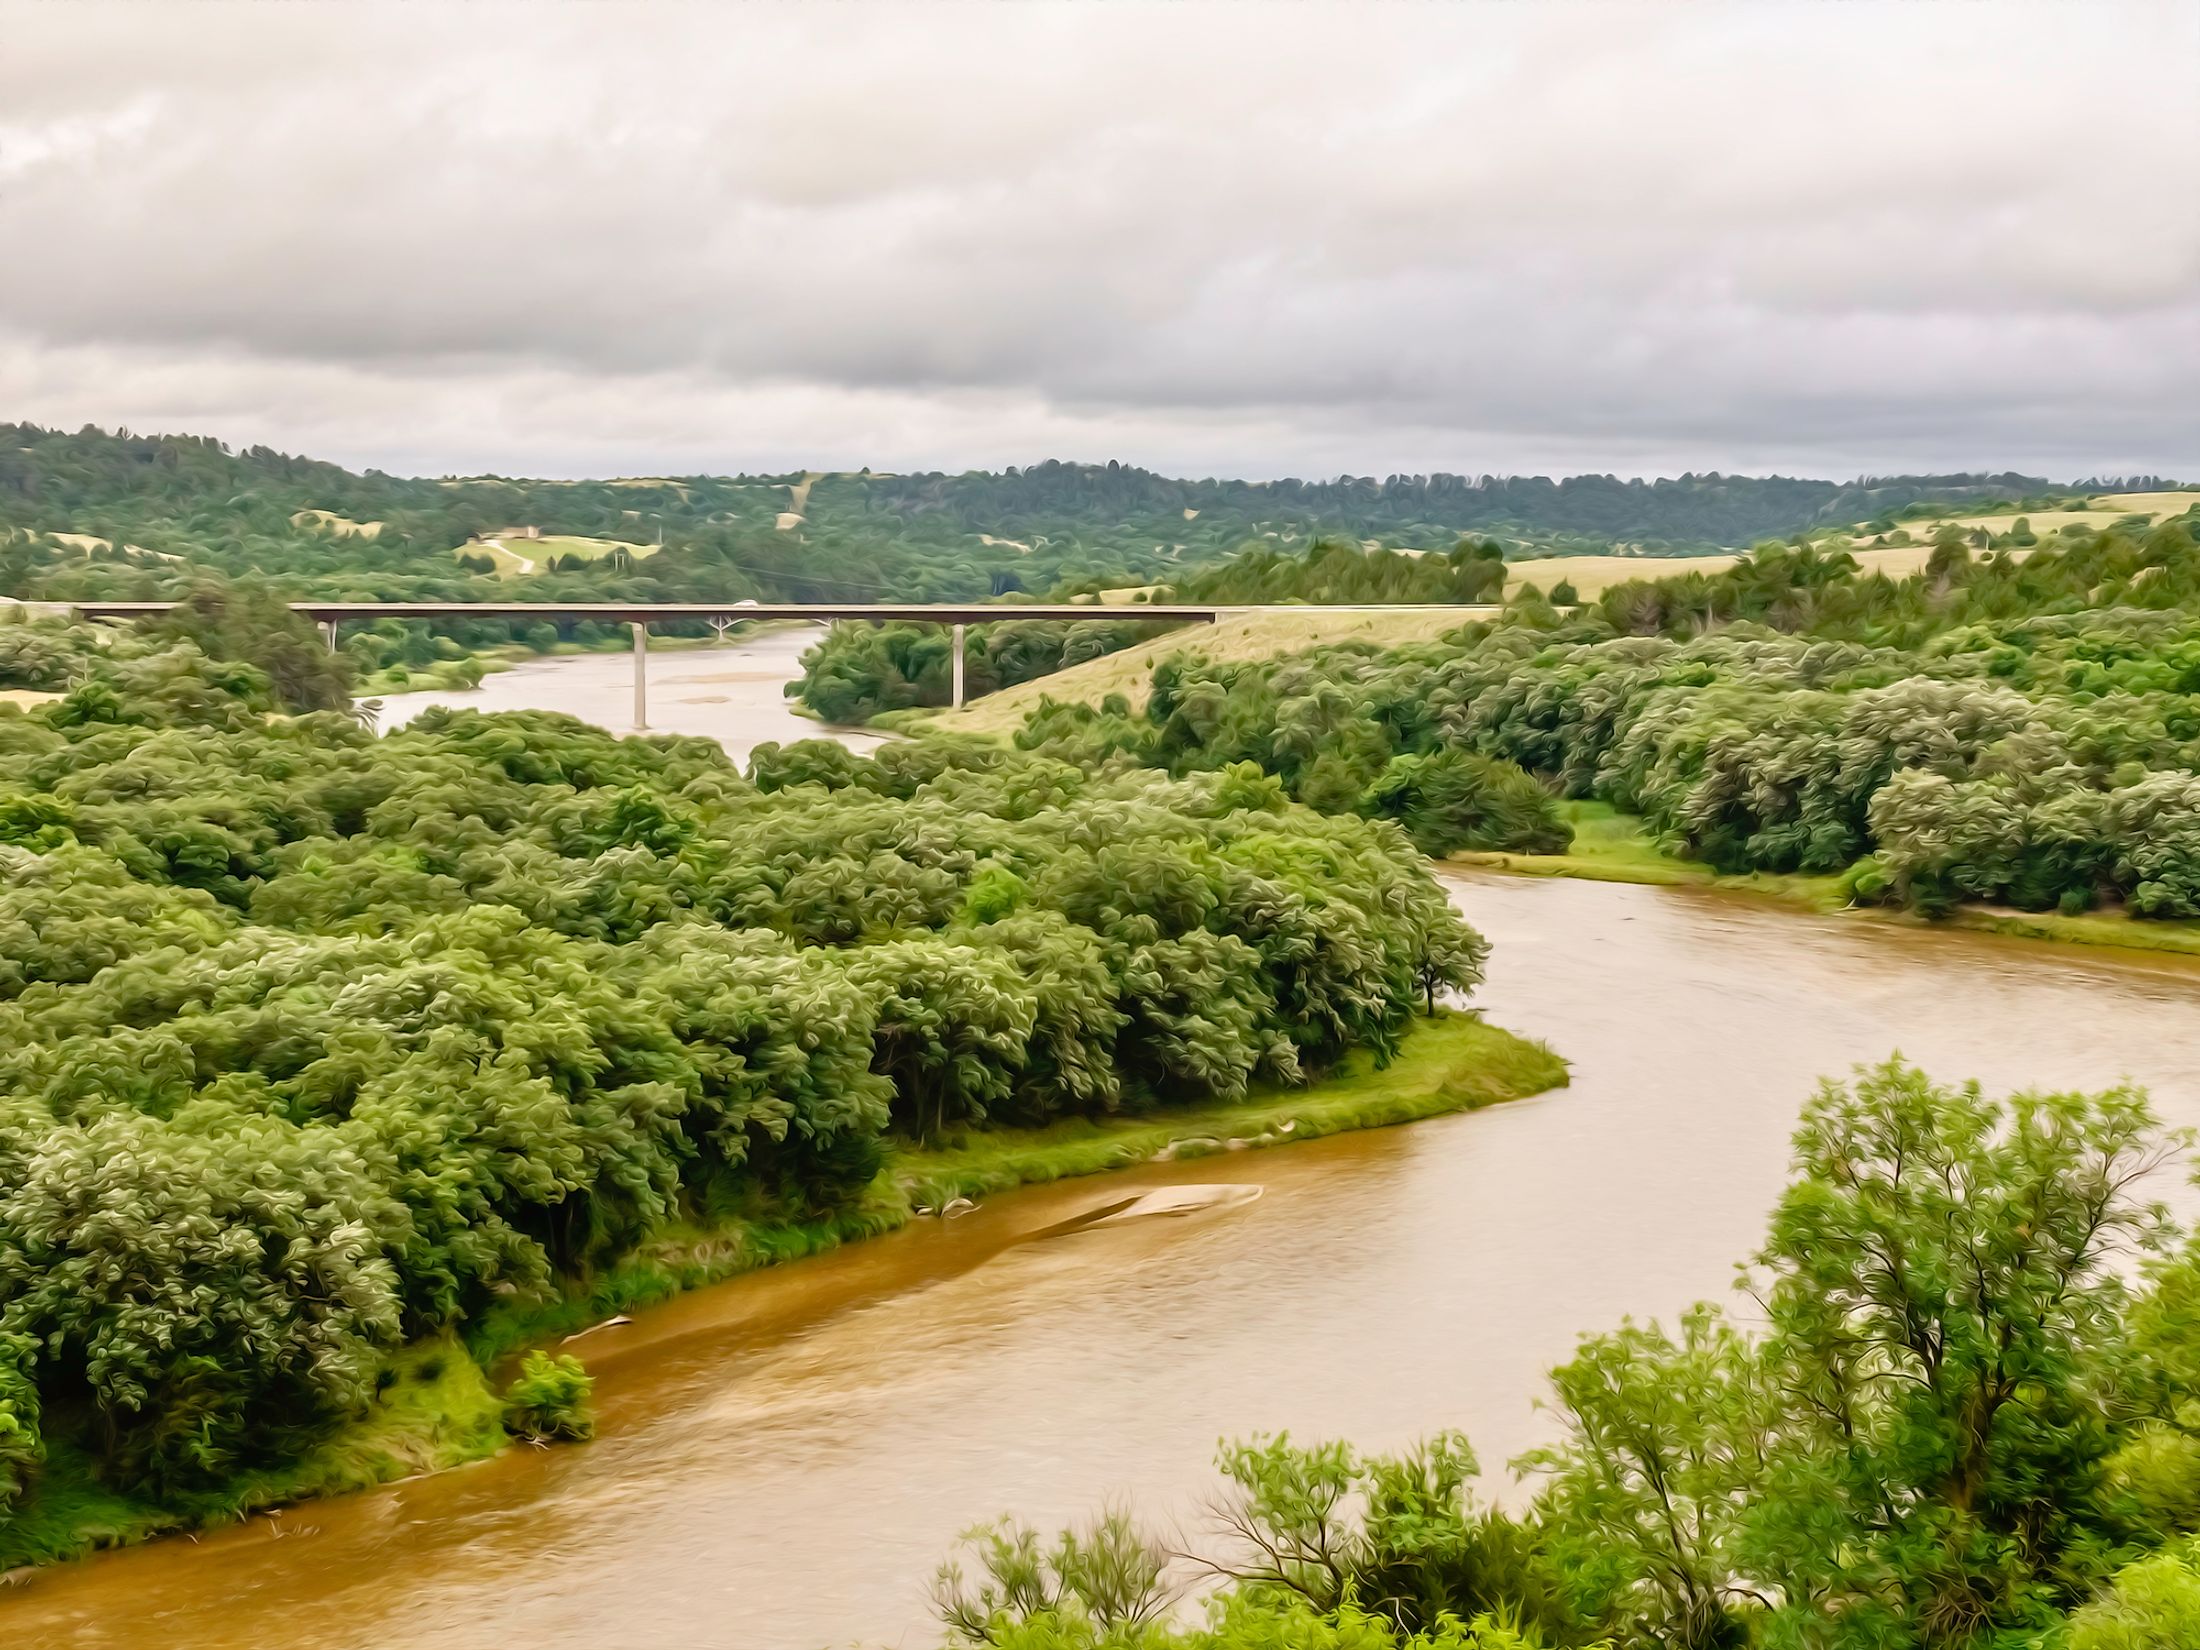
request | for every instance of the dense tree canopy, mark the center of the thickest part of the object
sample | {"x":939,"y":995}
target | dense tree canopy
{"x":312,"y":1042}
{"x":1340,"y":572}
{"x":2020,"y":730}
{"x":858,"y":670}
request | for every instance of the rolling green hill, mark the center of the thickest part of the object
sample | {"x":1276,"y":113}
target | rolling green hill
{"x":182,"y":505}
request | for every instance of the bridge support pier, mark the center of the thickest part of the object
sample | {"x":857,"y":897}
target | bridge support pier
{"x":641,"y":677}
{"x":959,"y":667}
{"x":328,"y":629}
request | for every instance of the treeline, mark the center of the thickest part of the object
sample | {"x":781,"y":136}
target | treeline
{"x":99,"y":515}
{"x":1690,"y":511}
{"x":860,"y":670}
{"x":313,"y":1043}
{"x":1336,"y":572}
{"x":1960,"y":1418}
{"x":1993,"y":728}
{"x":856,"y":671}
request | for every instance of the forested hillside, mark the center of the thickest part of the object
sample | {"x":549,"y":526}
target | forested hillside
{"x":1331,"y":572}
{"x":118,"y":515}
{"x":2020,"y":730}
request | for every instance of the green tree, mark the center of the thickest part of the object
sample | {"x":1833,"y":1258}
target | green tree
{"x":1646,"y":1497}
{"x":1939,"y":1277}
{"x":250,"y":623}
{"x":1454,"y":800}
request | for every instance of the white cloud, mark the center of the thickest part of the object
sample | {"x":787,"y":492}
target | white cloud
{"x":1216,"y":238}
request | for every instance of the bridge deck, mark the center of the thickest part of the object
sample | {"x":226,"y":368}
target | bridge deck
{"x":653,"y":612}
{"x":639,"y":616}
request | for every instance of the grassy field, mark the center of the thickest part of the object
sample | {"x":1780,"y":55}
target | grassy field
{"x":1591,"y":576}
{"x":342,"y":526}
{"x":2098,"y":512}
{"x":1610,"y":846}
{"x":517,"y":557}
{"x":436,"y":1408}
{"x":1238,"y":636}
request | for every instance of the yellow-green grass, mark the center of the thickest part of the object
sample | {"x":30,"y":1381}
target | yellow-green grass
{"x":518,"y":557}
{"x":90,"y":542}
{"x":1610,"y":846}
{"x":2117,"y":930}
{"x":1591,"y":576}
{"x":559,"y":544}
{"x":1262,"y":634}
{"x":2099,"y":511}
{"x":342,"y":526}
{"x":1453,"y":1062}
{"x":2157,"y":505}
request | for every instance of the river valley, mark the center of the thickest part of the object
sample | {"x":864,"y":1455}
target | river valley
{"x":785,"y":1458}
{"x":731,"y":693}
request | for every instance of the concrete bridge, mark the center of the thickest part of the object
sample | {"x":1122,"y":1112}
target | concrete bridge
{"x":722,"y":616}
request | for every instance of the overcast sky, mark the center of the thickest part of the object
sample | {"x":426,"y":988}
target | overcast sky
{"x":1228,"y":239}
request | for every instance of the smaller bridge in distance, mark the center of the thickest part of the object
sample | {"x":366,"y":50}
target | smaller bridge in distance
{"x":721,"y":616}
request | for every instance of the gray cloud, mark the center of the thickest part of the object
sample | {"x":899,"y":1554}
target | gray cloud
{"x":1216,"y":238}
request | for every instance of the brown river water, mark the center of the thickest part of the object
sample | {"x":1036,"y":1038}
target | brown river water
{"x":785,"y":1458}
{"x":732,"y":693}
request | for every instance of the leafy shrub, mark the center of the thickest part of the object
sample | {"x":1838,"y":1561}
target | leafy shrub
{"x":2151,"y":1605}
{"x":22,"y":1450}
{"x":550,"y":1399}
{"x":2158,"y":1472}
{"x":1451,"y":801}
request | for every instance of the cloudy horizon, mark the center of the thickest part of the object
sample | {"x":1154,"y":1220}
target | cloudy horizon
{"x":1218,"y":239}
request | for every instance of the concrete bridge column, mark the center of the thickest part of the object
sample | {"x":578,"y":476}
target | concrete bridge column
{"x":959,"y":667}
{"x":328,"y":629}
{"x":641,"y":677}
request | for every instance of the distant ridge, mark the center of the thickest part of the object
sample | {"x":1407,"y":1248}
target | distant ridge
{"x":91,"y":468}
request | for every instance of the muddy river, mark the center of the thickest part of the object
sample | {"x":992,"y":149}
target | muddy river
{"x":785,"y":1458}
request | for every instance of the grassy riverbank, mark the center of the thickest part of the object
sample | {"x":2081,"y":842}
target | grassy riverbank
{"x":1454,"y":1062}
{"x":433,"y":1409}
{"x":1610,"y":846}
{"x":436,"y":1406}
